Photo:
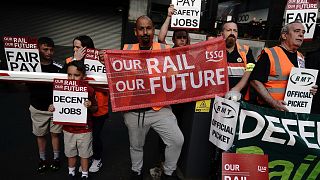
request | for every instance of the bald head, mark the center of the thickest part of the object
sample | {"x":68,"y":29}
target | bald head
{"x":144,"y":31}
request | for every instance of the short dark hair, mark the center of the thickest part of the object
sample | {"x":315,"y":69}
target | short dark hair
{"x":79,"y":64}
{"x":45,"y":40}
{"x":181,"y":30}
{"x":226,"y":22}
{"x":85,"y":40}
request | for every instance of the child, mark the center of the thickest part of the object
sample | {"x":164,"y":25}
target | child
{"x":78,"y":139}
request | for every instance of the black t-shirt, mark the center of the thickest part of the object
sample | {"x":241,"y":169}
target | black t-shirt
{"x":41,"y":93}
{"x":233,"y":57}
{"x":261,"y":70}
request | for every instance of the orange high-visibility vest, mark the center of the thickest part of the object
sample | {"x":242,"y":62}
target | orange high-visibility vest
{"x":155,"y":46}
{"x":238,"y":69}
{"x":280,"y":67}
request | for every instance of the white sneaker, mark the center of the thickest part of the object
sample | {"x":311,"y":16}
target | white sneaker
{"x":95,"y":166}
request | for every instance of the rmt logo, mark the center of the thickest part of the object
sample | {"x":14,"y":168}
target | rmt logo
{"x":303,"y":79}
{"x":227,"y":110}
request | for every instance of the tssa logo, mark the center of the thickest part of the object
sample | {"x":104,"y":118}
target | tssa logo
{"x":225,"y":109}
{"x":303,"y":79}
{"x":214,"y":56}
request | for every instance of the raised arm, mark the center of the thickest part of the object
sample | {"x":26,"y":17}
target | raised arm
{"x":165,"y":26}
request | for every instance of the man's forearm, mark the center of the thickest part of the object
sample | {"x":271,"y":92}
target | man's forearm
{"x":263,"y":92}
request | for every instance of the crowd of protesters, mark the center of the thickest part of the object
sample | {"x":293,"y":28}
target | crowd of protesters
{"x":255,"y":83}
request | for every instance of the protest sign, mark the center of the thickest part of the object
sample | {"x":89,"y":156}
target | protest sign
{"x":22,"y":53}
{"x":223,"y":122}
{"x":140,"y":79}
{"x":92,"y":63}
{"x":291,"y":140}
{"x":68,"y":100}
{"x":244,"y":166}
{"x":186,"y":14}
{"x":305,"y":11}
{"x":298,"y":96}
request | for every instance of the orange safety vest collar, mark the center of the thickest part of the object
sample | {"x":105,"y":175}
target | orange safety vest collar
{"x":155,"y":46}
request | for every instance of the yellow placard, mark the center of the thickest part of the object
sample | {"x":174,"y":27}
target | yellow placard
{"x":203,"y":106}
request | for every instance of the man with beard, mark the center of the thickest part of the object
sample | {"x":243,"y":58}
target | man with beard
{"x":240,"y":61}
{"x":160,"y":119}
{"x":270,"y":76}
{"x":240,"y":64}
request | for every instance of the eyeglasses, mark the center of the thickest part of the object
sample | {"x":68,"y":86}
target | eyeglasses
{"x":181,"y":37}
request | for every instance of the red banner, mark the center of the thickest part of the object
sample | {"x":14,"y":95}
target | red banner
{"x":140,"y":79}
{"x":244,"y":166}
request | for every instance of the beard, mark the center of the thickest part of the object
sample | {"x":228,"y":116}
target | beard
{"x":145,"y":39}
{"x":230,"y":41}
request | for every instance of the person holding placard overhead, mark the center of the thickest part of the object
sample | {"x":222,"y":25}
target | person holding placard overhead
{"x":270,"y":76}
{"x":40,"y":99}
{"x":180,"y":36}
{"x":78,"y":139}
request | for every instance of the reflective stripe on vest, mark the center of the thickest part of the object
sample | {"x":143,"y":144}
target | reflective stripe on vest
{"x":279,"y":76}
{"x":280,"y":68}
{"x":238,"y":69}
{"x":129,"y":47}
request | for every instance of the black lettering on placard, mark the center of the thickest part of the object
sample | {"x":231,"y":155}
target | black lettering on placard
{"x":185,"y":2}
{"x":94,"y":68}
{"x":29,"y":67}
{"x":70,"y":111}
{"x":309,"y":19}
{"x":9,"y":55}
{"x":186,"y":22}
{"x":297,"y":103}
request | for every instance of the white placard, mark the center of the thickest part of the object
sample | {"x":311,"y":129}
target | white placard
{"x":93,"y":65}
{"x":23,"y":59}
{"x":298,"y":96}
{"x":305,"y":11}
{"x":68,"y":101}
{"x":223,"y":122}
{"x":22,"y":53}
{"x":186,"y":14}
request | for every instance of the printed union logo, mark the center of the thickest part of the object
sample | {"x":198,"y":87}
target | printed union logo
{"x":214,"y":56}
{"x":262,"y":169}
{"x":225,"y":109}
{"x":303,"y":79}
